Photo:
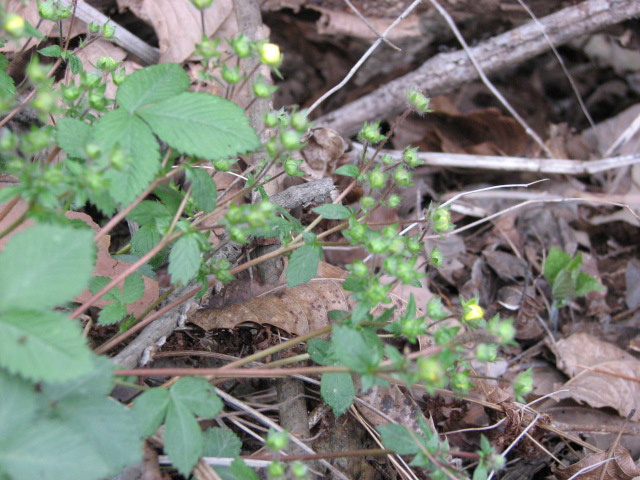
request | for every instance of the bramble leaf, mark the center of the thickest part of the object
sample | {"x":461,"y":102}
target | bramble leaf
{"x":359,"y":350}
{"x":147,"y":212}
{"x":151,"y":85}
{"x":333,"y":211}
{"x":42,"y":345}
{"x":303,"y":265}
{"x":133,"y":288}
{"x":203,"y":188}
{"x":337,"y":391}
{"x":52,"y":260}
{"x":150,"y":409}
{"x":183,"y":438}
{"x":72,"y":135}
{"x":112,"y":313}
{"x":18,"y":406}
{"x":220,"y":442}
{"x":198,"y":395}
{"x":398,"y":438}
{"x":184,"y":259}
{"x":202,"y":125}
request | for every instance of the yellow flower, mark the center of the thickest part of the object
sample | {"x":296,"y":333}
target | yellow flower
{"x":270,"y":54}
{"x":14,"y":24}
{"x":472,"y":312}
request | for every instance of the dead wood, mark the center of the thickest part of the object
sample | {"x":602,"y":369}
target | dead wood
{"x":448,"y":71}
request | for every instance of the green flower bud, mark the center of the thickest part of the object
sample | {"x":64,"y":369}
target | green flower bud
{"x":414,"y":245}
{"x":118,"y":77}
{"x":394,"y":201}
{"x":367,"y":202}
{"x":95,"y":181}
{"x":93,"y":27}
{"x":371,"y":133}
{"x":263,"y":90}
{"x":387,"y":160}
{"x":435,"y":310}
{"x":299,"y":469}
{"x":108,"y":31}
{"x":436,"y":257}
{"x":118,"y":159}
{"x":14,"y":25}
{"x":270,"y":119}
{"x":377,"y":178}
{"x":290,"y":139}
{"x":71,"y":92}
{"x":276,"y":469}
{"x":97,"y":101}
{"x":460,"y":382}
{"x":376,"y":244}
{"x":402,"y":177}
{"x":292,"y":167}
{"x":486,"y":352}
{"x":523,"y":384}
{"x":208,"y":48}
{"x":107,"y":64}
{"x":238,"y":234}
{"x":47,"y":10}
{"x":277,"y":440}
{"x":431,"y":372}
{"x":93,"y":150}
{"x":37,"y":73}
{"x":503,"y":329}
{"x":359,"y":269}
{"x":241,"y":45}
{"x":44,"y":102}
{"x":37,"y":139}
{"x":410,"y":157}
{"x":271,"y":147}
{"x":90,"y":80}
{"x":201,"y":4}
{"x":231,"y":75}
{"x":441,"y":219}
{"x":357,"y":233}
{"x":418,"y":101}
{"x":53,"y":175}
{"x":299,"y":121}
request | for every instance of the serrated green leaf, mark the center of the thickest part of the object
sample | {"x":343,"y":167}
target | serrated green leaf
{"x":348,"y":170}
{"x":7,"y":86}
{"x":18,"y":405}
{"x":303,"y":265}
{"x":203,"y":188}
{"x":184,"y":259}
{"x":50,"y":450}
{"x":118,"y":128}
{"x":144,"y":240}
{"x":152,"y":85}
{"x":202,"y":125}
{"x":242,"y":471}
{"x":333,"y":211}
{"x":556,"y":261}
{"x":359,"y":350}
{"x":144,"y":269}
{"x":585,"y":284}
{"x":72,"y":136}
{"x":97,"y":383}
{"x":107,"y":426}
{"x":398,"y":438}
{"x":112,"y":313}
{"x":97,"y":283}
{"x":41,"y":345}
{"x":197,"y":395}
{"x":45,"y":266}
{"x":170,"y":196}
{"x":321,"y":352}
{"x":51,"y":51}
{"x":150,"y":409}
{"x":183,"y":439}
{"x":75,"y":64}
{"x":133,"y":288}
{"x":337,"y":391}
{"x":220,"y":442}
{"x":4,"y":62}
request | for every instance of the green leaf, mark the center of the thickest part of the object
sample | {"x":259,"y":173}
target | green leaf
{"x":556,"y":261}
{"x":585,"y":283}
{"x":359,"y":350}
{"x":367,"y":381}
{"x":51,"y":51}
{"x":303,"y":264}
{"x":144,"y":269}
{"x":50,"y":450}
{"x":41,"y":345}
{"x":170,"y":196}
{"x":220,"y":442}
{"x":337,"y":391}
{"x":148,"y":211}
{"x":183,"y":438}
{"x":98,"y":283}
{"x":398,"y":438}
{"x":72,"y":135}
{"x":7,"y":86}
{"x":45,"y":266}
{"x":133,"y":288}
{"x":18,"y":405}
{"x":333,"y":211}
{"x":348,"y":170}
{"x":152,"y":85}
{"x":112,"y":313}
{"x":202,"y":125}
{"x":198,"y":395}
{"x":76,"y":64}
{"x":118,"y":128}
{"x":203,"y":188}
{"x":184,"y":259}
{"x":97,"y":383}
{"x":242,"y":471}
{"x":321,"y":352}
{"x":150,"y":409}
{"x":107,"y":426}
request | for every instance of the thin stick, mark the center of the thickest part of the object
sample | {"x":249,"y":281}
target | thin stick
{"x":364,"y":57}
{"x":371,"y":27}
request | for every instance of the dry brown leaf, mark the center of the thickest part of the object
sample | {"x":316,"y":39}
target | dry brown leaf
{"x":581,"y":354}
{"x":622,"y":468}
{"x":177,"y":24}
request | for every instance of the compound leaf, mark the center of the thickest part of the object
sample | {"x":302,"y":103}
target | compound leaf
{"x":197,"y":395}
{"x":72,"y":135}
{"x":220,"y":442}
{"x":150,"y":409}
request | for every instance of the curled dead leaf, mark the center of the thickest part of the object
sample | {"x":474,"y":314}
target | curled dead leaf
{"x":619,"y":467}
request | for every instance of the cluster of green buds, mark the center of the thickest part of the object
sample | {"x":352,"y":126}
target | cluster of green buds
{"x":53,"y":11}
{"x":107,"y":30}
{"x":370,"y":133}
{"x":275,"y":442}
{"x":291,"y":129}
{"x":245,"y":219}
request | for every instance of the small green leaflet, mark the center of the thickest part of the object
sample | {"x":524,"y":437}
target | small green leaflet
{"x":203,"y":188}
{"x":151,"y":85}
{"x":398,"y":438}
{"x":184,"y":259}
{"x":321,"y":352}
{"x":150,"y":409}
{"x":144,"y":240}
{"x":7,"y":85}
{"x":359,"y":350}
{"x":348,"y":170}
{"x":197,"y":395}
{"x":303,"y":264}
{"x":72,"y":136}
{"x":149,"y":212}
{"x":337,"y":391}
{"x":51,"y":51}
{"x":333,"y":211}
{"x":183,"y":439}
{"x":220,"y":442}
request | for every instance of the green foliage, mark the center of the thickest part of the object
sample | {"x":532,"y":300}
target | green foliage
{"x":566,"y":280}
{"x":133,"y":289}
{"x":303,"y":264}
{"x":333,"y":211}
{"x":337,"y":391}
